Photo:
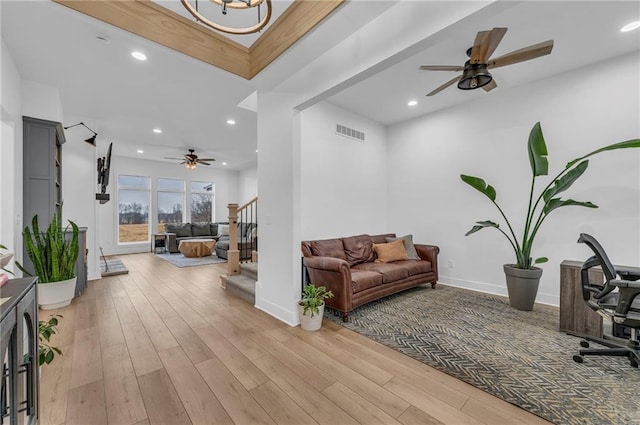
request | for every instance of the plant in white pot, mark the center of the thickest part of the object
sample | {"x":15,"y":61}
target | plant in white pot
{"x":54,"y":259}
{"x":523,"y":277}
{"x":311,"y":306}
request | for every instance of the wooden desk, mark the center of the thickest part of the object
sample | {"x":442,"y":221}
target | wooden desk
{"x":575,"y":317}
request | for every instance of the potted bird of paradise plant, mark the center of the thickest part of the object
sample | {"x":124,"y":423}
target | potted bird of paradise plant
{"x":523,"y":277}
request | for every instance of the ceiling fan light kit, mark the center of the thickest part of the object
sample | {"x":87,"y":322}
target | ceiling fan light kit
{"x":475,"y":73}
{"x":474,"y":76}
{"x":226,"y":5}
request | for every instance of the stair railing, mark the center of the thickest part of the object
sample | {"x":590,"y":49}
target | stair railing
{"x":245,"y":220}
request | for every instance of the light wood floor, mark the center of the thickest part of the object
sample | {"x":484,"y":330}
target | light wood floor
{"x":164,"y":345}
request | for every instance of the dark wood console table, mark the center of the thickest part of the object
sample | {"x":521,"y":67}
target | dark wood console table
{"x":19,"y":349}
{"x":575,"y":317}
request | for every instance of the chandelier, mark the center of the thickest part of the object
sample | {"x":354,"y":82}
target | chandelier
{"x":243,"y":5}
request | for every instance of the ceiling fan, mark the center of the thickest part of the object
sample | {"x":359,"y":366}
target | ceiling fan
{"x":191,"y":160}
{"x":475,"y":72}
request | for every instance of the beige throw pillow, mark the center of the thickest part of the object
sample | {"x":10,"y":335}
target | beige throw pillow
{"x":408,"y":246}
{"x":390,"y":252}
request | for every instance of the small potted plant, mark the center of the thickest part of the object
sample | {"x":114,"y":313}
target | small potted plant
{"x":54,"y":259}
{"x":311,"y":306}
{"x":46,"y":329}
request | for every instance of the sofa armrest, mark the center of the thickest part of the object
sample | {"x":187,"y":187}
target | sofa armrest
{"x":335,"y":274}
{"x":172,"y":243}
{"x":429,"y":253}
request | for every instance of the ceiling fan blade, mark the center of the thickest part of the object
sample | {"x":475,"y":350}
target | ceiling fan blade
{"x":479,"y":47}
{"x":444,"y":86}
{"x":202,"y":162}
{"x":206,"y":159}
{"x":166,"y":157}
{"x":494,"y":39}
{"x":492,"y":85}
{"x":183,"y":162}
{"x":521,"y":55}
{"x":442,"y":68}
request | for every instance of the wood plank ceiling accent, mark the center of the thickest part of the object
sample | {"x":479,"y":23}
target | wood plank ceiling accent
{"x":165,"y":27}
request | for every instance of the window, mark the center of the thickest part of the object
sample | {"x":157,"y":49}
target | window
{"x":170,"y":202}
{"x":133,"y":208}
{"x":202,"y":194}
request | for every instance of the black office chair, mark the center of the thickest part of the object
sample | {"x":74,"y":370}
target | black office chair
{"x":621,"y":306}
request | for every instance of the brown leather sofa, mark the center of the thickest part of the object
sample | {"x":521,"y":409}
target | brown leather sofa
{"x":347,"y":267}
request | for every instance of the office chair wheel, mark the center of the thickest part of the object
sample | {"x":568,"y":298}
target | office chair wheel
{"x":578,"y":359}
{"x":584,"y":344}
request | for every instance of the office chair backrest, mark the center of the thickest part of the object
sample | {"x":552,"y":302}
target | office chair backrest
{"x":607,"y":268}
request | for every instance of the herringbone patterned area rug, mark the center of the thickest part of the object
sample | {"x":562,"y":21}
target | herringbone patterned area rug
{"x":520,"y":357}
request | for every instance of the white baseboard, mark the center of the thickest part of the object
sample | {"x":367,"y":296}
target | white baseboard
{"x":287,"y":316}
{"x":542,"y":298}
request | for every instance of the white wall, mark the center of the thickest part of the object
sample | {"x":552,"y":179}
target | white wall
{"x":41,"y":101}
{"x":11,"y":155}
{"x":579,"y":111}
{"x":226,"y":191}
{"x":247,"y":185}
{"x":79,"y":178}
{"x":343,"y":181}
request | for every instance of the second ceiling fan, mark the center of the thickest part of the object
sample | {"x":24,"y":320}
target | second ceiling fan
{"x":475,"y":72}
{"x":191,"y":160}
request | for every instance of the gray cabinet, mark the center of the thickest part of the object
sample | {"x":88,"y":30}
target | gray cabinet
{"x":19,"y":348}
{"x":42,"y":172}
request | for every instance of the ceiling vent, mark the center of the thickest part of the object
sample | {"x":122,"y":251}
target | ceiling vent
{"x":350,"y":133}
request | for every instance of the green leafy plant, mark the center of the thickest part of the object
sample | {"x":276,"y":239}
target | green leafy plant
{"x":5,"y":269}
{"x":313,"y":297}
{"x":46,"y":352}
{"x":547,"y":201}
{"x":52,"y":254}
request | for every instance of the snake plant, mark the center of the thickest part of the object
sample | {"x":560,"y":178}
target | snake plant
{"x":53,"y":255}
{"x":548,"y":199}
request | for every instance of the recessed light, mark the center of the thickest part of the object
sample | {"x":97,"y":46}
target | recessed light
{"x":139,"y":55}
{"x":140,"y":151}
{"x":412,"y":103}
{"x":631,"y":26}
{"x":231,"y":121}
{"x":224,"y":163}
{"x":157,"y":130}
{"x":256,"y":150}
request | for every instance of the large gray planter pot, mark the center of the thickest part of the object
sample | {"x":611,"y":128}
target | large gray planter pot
{"x":522,"y":286}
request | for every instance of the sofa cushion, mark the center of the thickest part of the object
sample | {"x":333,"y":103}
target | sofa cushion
{"x":201,"y":229}
{"x":390,"y":252}
{"x":391,"y":272}
{"x":416,"y":267}
{"x":382,"y":238}
{"x":328,"y":248}
{"x":362,"y":279}
{"x":223,"y":229}
{"x":182,"y":230}
{"x":409,"y":248}
{"x":213,"y":228}
{"x":358,"y":249}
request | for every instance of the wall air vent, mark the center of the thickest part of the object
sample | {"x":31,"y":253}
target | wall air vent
{"x":350,"y":133}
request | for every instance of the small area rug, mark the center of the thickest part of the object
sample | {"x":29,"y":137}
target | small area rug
{"x":520,"y":357}
{"x":180,"y":260}
{"x":112,"y":268}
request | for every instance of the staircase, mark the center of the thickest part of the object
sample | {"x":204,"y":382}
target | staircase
{"x":243,"y":285}
{"x":242,"y":275}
